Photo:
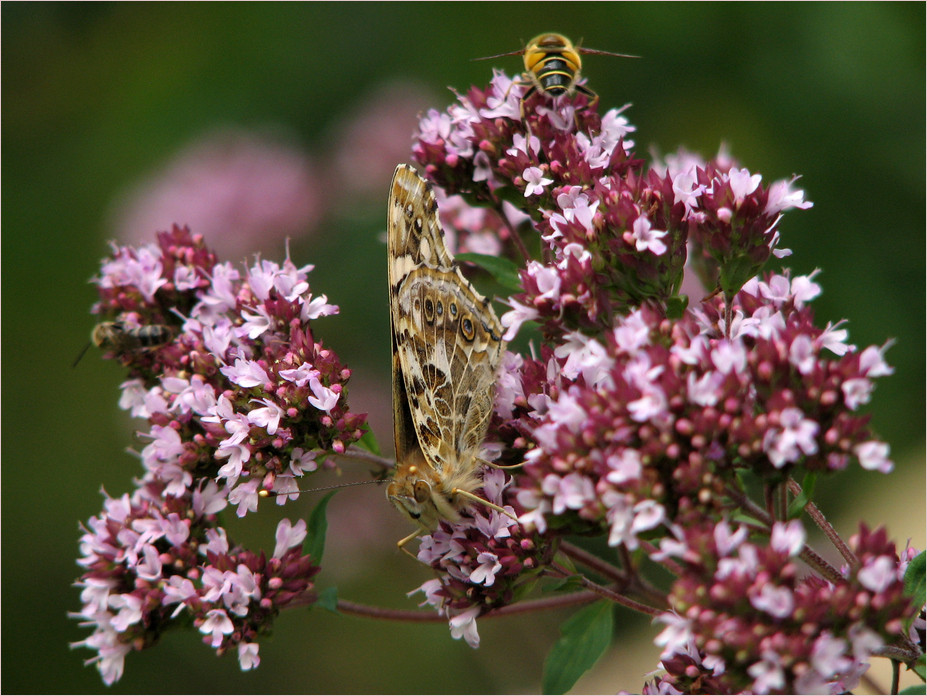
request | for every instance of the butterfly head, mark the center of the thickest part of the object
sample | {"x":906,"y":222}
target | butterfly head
{"x":423,"y":496}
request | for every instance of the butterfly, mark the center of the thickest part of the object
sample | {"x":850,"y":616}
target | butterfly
{"x":446,"y":347}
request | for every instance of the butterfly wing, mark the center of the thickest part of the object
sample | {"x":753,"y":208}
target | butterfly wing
{"x":447,"y":341}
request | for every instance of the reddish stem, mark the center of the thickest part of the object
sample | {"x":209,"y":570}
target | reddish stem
{"x":605,"y":592}
{"x":818,"y":517}
{"x":371,"y":612}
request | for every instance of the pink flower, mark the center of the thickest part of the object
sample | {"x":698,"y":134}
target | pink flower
{"x":743,"y":183}
{"x":535,"y":181}
{"x":775,"y":601}
{"x":686,"y":189}
{"x":571,"y":492}
{"x":767,"y":674}
{"x":782,"y":197}
{"x":485,"y":572}
{"x":513,"y":320}
{"x":129,"y":610}
{"x":647,"y":239}
{"x":267,"y":417}
{"x":795,"y":437}
{"x":463,"y":625}
{"x":873,"y":456}
{"x":246,"y":373}
{"x":323,"y":398}
{"x":248,"y":657}
{"x":218,"y":625}
{"x":878,"y":573}
{"x":245,"y":496}
{"x":289,"y":536}
{"x":788,"y":538}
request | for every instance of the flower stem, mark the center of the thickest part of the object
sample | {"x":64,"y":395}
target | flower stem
{"x":600,"y":566}
{"x":605,"y":592}
{"x":808,"y":555}
{"x":728,"y":314}
{"x":371,"y":612}
{"x":818,"y":517}
{"x":513,"y":231}
{"x":895,"y":653}
{"x":626,"y":579}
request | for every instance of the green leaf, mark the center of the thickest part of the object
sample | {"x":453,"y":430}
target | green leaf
{"x":328,"y":600}
{"x":571,"y":583}
{"x":914,"y":586}
{"x":561,"y":559}
{"x":503,"y":270}
{"x":676,"y":305}
{"x":368,"y":441}
{"x":797,"y":506}
{"x":915,"y":689}
{"x":584,"y":638}
{"x":920,"y":667}
{"x":316,"y":528}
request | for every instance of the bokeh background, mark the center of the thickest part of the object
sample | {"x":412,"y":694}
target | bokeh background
{"x":254,"y":122}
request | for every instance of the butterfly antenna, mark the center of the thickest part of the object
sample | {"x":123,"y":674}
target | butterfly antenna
{"x":267,"y":494}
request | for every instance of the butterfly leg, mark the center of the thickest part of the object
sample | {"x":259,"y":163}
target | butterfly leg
{"x":477,"y":499}
{"x":405,"y":540}
{"x":505,"y":467}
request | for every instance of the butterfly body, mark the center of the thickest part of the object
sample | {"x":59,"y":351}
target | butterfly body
{"x":446,"y":346}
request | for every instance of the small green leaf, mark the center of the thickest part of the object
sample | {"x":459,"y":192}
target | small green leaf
{"x":676,"y":305}
{"x":328,"y":599}
{"x":920,"y":667}
{"x":571,"y":583}
{"x":564,"y":561}
{"x":584,"y":638}
{"x":316,"y":528}
{"x":914,"y":579}
{"x":368,"y":441}
{"x":915,"y":689}
{"x":797,"y":506}
{"x":914,"y":586}
{"x":503,"y":270}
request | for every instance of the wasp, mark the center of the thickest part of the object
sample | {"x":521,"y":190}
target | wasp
{"x":116,"y":337}
{"x":552,"y":66}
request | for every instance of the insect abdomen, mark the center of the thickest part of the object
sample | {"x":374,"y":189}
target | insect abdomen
{"x":153,"y":335}
{"x":555,"y":76}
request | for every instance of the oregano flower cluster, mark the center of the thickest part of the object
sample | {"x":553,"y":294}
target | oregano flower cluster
{"x":243,"y":399}
{"x":635,"y":413}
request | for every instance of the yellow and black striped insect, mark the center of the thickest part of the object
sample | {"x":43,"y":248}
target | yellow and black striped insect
{"x":116,"y":337}
{"x":552,"y":66}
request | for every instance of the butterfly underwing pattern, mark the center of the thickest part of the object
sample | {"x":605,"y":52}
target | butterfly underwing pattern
{"x":446,"y":347}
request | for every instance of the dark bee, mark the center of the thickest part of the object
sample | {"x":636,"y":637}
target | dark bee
{"x":552,"y":65}
{"x":116,"y":337}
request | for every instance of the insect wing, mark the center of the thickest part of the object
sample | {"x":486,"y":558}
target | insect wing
{"x":438,"y":322}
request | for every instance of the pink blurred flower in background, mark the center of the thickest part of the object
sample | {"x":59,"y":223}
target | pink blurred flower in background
{"x":374,"y":137}
{"x":245,"y":191}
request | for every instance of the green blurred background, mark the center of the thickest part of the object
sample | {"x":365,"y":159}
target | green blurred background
{"x":97,"y":97}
